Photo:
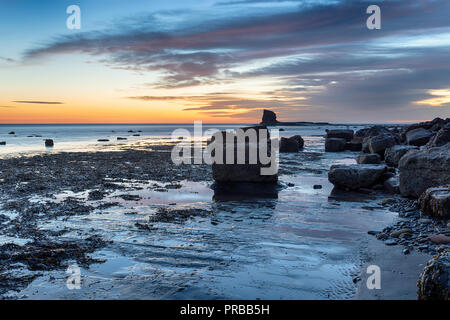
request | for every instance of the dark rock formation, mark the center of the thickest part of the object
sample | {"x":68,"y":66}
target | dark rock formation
{"x":354,"y":177}
{"x":335,"y":145}
{"x":269,"y":118}
{"x":433,"y":283}
{"x":441,"y":138}
{"x":379,"y":144}
{"x":292,"y":144}
{"x":393,"y":154}
{"x":341,"y":134}
{"x":435,"y":202}
{"x":353,"y":146}
{"x":368,"y":158}
{"x":246,"y":172}
{"x":420,"y":170}
{"x":49,"y":143}
{"x":418,"y":137}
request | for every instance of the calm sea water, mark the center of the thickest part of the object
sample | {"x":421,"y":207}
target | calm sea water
{"x":30,"y":138}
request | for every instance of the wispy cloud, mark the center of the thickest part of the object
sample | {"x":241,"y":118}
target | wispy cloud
{"x":37,"y":102}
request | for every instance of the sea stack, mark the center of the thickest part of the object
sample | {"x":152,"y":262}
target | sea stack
{"x":269,"y":118}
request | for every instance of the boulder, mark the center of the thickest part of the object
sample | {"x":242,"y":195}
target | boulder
{"x":289,"y":145}
{"x":393,"y":154}
{"x":49,"y":143}
{"x":441,"y":138}
{"x":392,"y":185}
{"x":334,"y":144}
{"x":341,"y":134}
{"x":354,"y":177}
{"x":433,"y":283}
{"x":299,"y":140}
{"x":353,"y":146}
{"x":2,"y":143}
{"x":418,"y":137}
{"x":246,"y":172}
{"x":435,"y":202}
{"x":368,"y":158}
{"x":269,"y":117}
{"x":379,"y":144}
{"x":292,"y":144}
{"x":420,"y":170}
{"x":12,"y":132}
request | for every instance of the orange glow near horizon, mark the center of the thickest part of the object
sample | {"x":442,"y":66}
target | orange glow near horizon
{"x":131,"y":112}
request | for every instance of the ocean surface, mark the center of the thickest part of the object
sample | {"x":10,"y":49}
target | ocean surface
{"x":30,"y":138}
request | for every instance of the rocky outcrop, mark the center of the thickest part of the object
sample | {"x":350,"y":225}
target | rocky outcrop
{"x":368,"y":158}
{"x":246,"y":172}
{"x":420,"y":170}
{"x":435,"y":124}
{"x":434,"y":282}
{"x":2,"y":143}
{"x":418,"y":137}
{"x":353,"y":145}
{"x":49,"y":143}
{"x":269,"y":118}
{"x":441,"y":138}
{"x":393,"y":154}
{"x":354,"y":177}
{"x":292,"y":144}
{"x":334,"y":145}
{"x":371,"y":132}
{"x":435,"y":202}
{"x":341,"y":134}
{"x":379,"y":144}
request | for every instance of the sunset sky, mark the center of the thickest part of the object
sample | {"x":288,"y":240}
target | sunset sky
{"x":159,"y":61}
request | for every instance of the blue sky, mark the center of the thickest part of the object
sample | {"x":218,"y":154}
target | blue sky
{"x":225,"y":61}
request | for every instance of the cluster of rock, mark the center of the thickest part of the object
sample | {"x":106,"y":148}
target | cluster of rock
{"x":341,"y":140}
{"x":415,"y":158}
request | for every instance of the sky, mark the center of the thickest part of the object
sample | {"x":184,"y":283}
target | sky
{"x":224,"y":61}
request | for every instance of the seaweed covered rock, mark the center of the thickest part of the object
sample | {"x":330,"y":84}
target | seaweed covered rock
{"x":433,"y":283}
{"x":435,"y":202}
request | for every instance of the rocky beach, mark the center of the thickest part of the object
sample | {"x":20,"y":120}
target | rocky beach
{"x":140,"y":226}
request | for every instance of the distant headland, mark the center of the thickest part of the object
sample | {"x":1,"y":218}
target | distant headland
{"x":269,"y":118}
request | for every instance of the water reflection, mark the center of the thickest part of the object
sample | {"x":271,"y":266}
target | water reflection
{"x":245,"y":191}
